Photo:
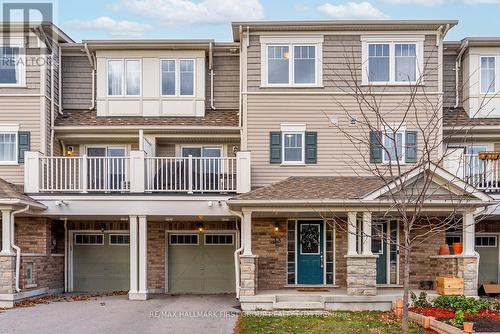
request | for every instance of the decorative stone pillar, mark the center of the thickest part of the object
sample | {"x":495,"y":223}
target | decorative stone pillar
{"x":362,"y":275}
{"x":467,"y":269}
{"x":248,"y":275}
{"x":7,"y":274}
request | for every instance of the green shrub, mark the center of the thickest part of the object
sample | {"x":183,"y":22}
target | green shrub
{"x":461,"y":303}
{"x":458,"y":320}
{"x":421,"y":301}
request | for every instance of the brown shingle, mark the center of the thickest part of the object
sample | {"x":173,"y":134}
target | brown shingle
{"x":315,"y":188}
{"x":458,"y":117}
{"x":12,"y":191}
{"x":89,"y":118}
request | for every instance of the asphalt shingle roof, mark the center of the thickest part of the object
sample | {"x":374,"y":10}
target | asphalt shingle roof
{"x":459,"y":118}
{"x":12,"y":191}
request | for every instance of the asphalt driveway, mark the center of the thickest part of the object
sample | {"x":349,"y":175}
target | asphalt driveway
{"x":160,"y":314}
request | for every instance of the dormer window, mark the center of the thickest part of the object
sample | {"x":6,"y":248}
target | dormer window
{"x":177,"y":77}
{"x":290,"y":61}
{"x":488,"y":72}
{"x":124,"y":77}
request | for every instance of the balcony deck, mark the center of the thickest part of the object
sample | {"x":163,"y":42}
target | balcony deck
{"x":480,"y":170}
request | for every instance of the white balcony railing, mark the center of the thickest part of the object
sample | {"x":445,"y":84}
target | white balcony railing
{"x":483,"y":174}
{"x":137,"y":173}
{"x":191,"y":174}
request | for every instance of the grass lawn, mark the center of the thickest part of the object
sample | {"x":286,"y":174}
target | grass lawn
{"x":335,"y":322}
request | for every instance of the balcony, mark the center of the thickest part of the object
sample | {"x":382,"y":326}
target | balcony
{"x":480,"y":170}
{"x":137,"y":174}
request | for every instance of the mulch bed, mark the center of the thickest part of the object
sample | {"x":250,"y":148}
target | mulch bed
{"x":484,"y":320}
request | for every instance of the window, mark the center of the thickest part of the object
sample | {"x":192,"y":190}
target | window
{"x":378,"y":62}
{"x":219,"y":239}
{"x":293,"y":147}
{"x":388,"y":61}
{"x":184,"y":239}
{"x":12,"y":68}
{"x":119,"y":239}
{"x":8,"y":147}
{"x":291,"y":61}
{"x":178,"y":77}
{"x":124,"y":77}
{"x":406,"y":62}
{"x":451,"y":239}
{"x":168,"y":77}
{"x":89,"y":239}
{"x":393,"y":146}
{"x":486,"y":241}
{"x":488,"y":75}
{"x":29,"y":273}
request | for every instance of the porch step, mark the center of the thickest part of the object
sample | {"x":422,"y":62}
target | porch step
{"x":298,"y":306}
{"x":299,"y":298}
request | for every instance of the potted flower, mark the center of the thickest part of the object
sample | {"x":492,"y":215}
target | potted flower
{"x":457,"y":248}
{"x":468,"y":326}
{"x":444,"y":250}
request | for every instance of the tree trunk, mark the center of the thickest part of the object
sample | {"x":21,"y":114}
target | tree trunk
{"x":406,"y":283}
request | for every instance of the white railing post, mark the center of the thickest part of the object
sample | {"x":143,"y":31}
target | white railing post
{"x":85,"y":174}
{"x":190,"y":174}
{"x":243,"y":172}
{"x":32,"y":172}
{"x":137,"y":171}
{"x":455,"y":162}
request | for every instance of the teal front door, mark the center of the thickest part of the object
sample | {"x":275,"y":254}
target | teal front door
{"x":379,"y":247}
{"x":310,"y":247}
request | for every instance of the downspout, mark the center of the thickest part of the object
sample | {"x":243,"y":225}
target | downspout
{"x":52,"y":104}
{"x":60,"y":80}
{"x":65,"y":255}
{"x":16,"y":248}
{"x":241,"y":82}
{"x":211,"y":69}
{"x":237,"y":257}
{"x":92,"y":63}
{"x":458,"y":64}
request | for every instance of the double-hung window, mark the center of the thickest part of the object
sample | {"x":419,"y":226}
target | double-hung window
{"x":293,"y":147}
{"x":177,"y":77}
{"x":393,"y":143}
{"x":392,"y":62}
{"x":291,"y":61}
{"x":124,"y":77}
{"x":8,"y":147}
{"x":12,"y":64}
{"x":488,"y":74}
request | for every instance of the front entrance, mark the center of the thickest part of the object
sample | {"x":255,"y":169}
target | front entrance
{"x":384,"y":244}
{"x":310,"y":244}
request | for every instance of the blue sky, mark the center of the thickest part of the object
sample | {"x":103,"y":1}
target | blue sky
{"x":88,"y":19}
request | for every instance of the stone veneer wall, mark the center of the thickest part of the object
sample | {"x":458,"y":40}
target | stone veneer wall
{"x":7,"y":274}
{"x":249,"y":271}
{"x":362,"y":275}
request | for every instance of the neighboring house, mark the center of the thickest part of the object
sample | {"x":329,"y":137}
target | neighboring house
{"x":471,"y":126}
{"x":154,"y":164}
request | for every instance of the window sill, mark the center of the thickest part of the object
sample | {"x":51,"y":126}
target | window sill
{"x":292,"y":86}
{"x":395,"y":84}
{"x":293,"y":164}
{"x":6,"y":163}
{"x":13,"y":86}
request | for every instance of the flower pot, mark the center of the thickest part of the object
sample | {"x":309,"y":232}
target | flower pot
{"x":468,"y":327}
{"x":444,"y":250}
{"x":457,"y":248}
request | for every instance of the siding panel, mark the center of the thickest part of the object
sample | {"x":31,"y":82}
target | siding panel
{"x":77,"y":82}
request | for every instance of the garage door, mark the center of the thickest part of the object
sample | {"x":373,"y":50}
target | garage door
{"x":201,"y":263}
{"x":101,"y":262}
{"x":487,"y":247}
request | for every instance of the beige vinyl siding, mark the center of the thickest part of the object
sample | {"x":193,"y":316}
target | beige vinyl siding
{"x":24,"y":111}
{"x":165,"y":150}
{"x":226,"y":81}
{"x":449,"y":80}
{"x":336,"y":155}
{"x":341,"y":59}
{"x":77,"y":82}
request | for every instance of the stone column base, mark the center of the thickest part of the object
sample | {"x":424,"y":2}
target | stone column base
{"x":7,"y":274}
{"x":467,"y":269}
{"x":137,"y":296}
{"x":362,"y":275}
{"x":248,"y":275}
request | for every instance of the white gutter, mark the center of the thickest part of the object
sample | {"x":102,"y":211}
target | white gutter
{"x":240,"y":104}
{"x":52,"y":104}
{"x":237,"y":258}
{"x":16,"y":248}
{"x":92,"y":63}
{"x":458,"y":64}
{"x":60,"y":80}
{"x":66,"y":255}
{"x":211,"y":68}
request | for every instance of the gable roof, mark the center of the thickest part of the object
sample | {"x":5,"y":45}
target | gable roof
{"x":11,"y":194}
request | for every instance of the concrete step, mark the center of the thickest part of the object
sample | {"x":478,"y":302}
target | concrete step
{"x":300,"y":298}
{"x":298,"y":306}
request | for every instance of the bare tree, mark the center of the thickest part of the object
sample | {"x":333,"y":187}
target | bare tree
{"x":371,"y":118}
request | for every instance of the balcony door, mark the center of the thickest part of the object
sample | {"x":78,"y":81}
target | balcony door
{"x":106,"y":168}
{"x":205,"y":171}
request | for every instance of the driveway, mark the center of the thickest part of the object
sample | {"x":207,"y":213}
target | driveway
{"x":160,"y":314}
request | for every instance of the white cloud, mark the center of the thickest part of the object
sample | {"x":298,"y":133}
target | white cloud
{"x":112,"y":27}
{"x":186,"y":12}
{"x":433,"y":3}
{"x":352,"y":10}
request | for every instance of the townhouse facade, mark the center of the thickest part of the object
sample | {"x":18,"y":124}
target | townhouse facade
{"x":193,"y":166}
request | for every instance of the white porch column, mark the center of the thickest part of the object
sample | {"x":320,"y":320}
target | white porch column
{"x":367,"y":233}
{"x":351,"y":233}
{"x":6,"y":232}
{"x":247,"y":232}
{"x":143,"y":257}
{"x":134,"y":287}
{"x":469,"y":231}
{"x":137,"y":170}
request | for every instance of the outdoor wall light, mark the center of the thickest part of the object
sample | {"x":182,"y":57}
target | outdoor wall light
{"x":200,"y":227}
{"x":276,"y":240}
{"x":102,"y":227}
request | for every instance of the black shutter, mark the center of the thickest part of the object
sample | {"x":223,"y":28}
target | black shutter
{"x":375,"y":146}
{"x":24,"y":143}
{"x":311,"y":147}
{"x":411,"y":146}
{"x":275,"y":147}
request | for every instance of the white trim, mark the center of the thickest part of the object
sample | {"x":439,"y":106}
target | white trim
{"x":124,"y":77}
{"x":19,"y":43}
{"x":75,"y":243}
{"x":177,"y":77}
{"x":218,"y":244}
{"x":401,"y":129}
{"x":496,"y":74}
{"x":11,"y":129}
{"x":197,"y":235}
{"x":293,"y":127}
{"x":486,"y":236}
{"x":115,"y":244}
{"x":303,"y":148}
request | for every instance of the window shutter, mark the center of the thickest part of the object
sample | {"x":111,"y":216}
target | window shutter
{"x":411,"y":147}
{"x":23,"y":145}
{"x":275,"y":147}
{"x":311,"y":147}
{"x":375,"y":146}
